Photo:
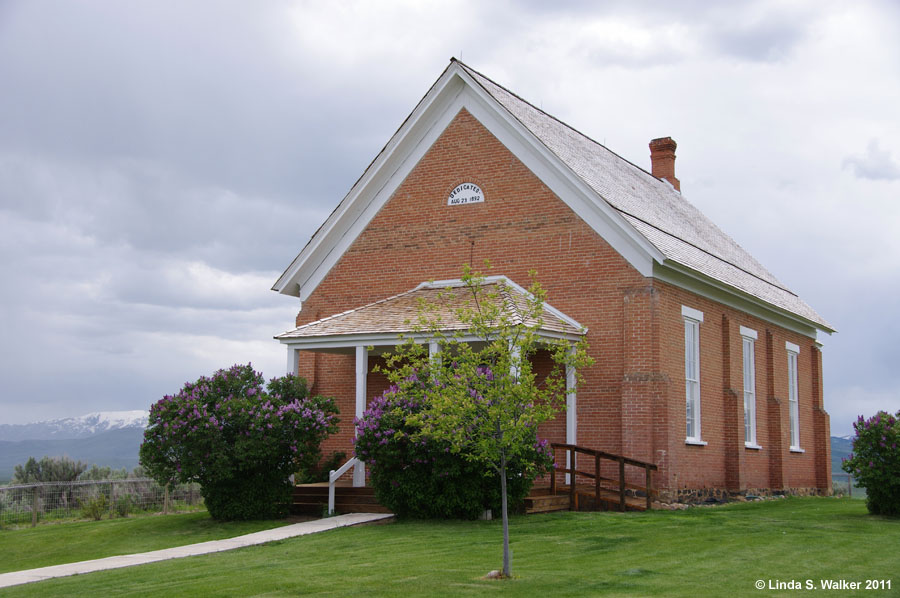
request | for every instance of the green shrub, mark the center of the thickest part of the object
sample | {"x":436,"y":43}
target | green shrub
{"x":320,"y":471}
{"x":94,"y":507}
{"x":124,"y":505}
{"x":423,"y":478}
{"x":875,"y":461}
{"x":238,"y":441}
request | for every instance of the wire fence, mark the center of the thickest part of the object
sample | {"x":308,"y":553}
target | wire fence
{"x":28,"y":504}
{"x":843,"y":484}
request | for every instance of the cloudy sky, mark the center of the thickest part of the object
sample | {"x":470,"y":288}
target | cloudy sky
{"x":162,"y":162}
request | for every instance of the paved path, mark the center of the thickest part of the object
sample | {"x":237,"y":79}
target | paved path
{"x":114,"y":562}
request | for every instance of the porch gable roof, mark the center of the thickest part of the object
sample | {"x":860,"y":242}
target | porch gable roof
{"x":399,"y":315}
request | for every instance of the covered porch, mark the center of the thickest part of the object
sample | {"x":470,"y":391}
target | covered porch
{"x":375,"y":329}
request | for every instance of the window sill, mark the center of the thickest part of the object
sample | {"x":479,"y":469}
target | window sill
{"x":695,"y":442}
{"x":752,"y":447}
{"x":797,"y":449}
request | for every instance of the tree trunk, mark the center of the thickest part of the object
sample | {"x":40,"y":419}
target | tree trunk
{"x":506,"y":565}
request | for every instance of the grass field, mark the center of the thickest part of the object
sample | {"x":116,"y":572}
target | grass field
{"x":54,"y":544}
{"x":720,"y":551}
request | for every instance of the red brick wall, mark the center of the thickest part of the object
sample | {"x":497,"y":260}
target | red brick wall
{"x":725,"y":462}
{"x":632,"y":400}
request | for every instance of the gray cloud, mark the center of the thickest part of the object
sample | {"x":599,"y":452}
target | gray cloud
{"x":876,"y":164}
{"x":763,"y":40}
{"x":160,"y":164}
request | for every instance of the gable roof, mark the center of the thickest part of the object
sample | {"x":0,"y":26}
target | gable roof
{"x":399,"y":314}
{"x":644,"y":218}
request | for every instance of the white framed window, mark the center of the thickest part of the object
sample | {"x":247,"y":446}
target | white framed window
{"x":748,"y":344}
{"x":793,"y":395}
{"x":692,"y":320}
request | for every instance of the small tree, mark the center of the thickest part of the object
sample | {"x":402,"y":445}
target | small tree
{"x":875,"y":461}
{"x":484,"y":399}
{"x":240,"y":443}
{"x":48,"y":469}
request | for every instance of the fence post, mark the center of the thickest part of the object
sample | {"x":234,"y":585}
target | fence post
{"x":573,"y":497}
{"x":596,"y":482}
{"x":622,"y":484}
{"x":649,"y":487}
{"x":553,"y":473}
{"x":34,"y":506}
{"x":850,"y":485}
{"x":166,"y":500}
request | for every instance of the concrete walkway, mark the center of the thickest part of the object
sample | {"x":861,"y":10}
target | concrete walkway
{"x":128,"y":560}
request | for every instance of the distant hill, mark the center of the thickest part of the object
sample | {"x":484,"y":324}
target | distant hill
{"x":83,"y":426}
{"x":105,"y":438}
{"x":841,"y":447}
{"x":115,"y":449}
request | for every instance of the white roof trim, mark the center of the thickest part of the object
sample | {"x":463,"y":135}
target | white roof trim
{"x":453,"y":91}
{"x":720,"y":292}
{"x":383,"y":339}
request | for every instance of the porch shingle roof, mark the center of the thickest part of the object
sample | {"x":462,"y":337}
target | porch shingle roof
{"x":400,"y":313}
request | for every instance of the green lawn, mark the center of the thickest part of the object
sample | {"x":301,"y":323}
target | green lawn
{"x":710,"y":552}
{"x":53,"y":544}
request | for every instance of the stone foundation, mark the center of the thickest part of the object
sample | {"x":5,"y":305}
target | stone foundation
{"x":694,"y":496}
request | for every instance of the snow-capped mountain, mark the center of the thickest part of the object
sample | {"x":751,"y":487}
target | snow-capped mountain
{"x":82,"y":426}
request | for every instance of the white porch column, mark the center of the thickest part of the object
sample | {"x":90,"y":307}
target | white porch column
{"x":362,"y":368}
{"x":434,"y":352}
{"x":293,"y":361}
{"x":515,"y":356}
{"x":571,"y":413}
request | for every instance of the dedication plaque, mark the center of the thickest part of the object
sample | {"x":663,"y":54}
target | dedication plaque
{"x":465,"y":193}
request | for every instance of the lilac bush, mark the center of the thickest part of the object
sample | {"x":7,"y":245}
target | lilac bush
{"x":875,"y":461}
{"x":418,"y":476}
{"x":239,"y":440}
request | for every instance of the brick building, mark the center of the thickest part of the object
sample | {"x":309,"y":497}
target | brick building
{"x":705,"y":364}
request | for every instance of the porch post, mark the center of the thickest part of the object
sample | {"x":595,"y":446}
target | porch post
{"x":434,"y":351}
{"x":362,"y":368}
{"x":293,"y":361}
{"x":571,"y":413}
{"x":516,"y":356}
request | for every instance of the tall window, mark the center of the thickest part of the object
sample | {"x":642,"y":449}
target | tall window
{"x":748,"y":341}
{"x":692,"y":319}
{"x":792,"y":351}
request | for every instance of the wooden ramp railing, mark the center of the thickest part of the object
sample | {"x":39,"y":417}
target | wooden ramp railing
{"x":604,"y":488}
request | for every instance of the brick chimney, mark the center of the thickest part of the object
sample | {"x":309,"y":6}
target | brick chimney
{"x":662,"y":159}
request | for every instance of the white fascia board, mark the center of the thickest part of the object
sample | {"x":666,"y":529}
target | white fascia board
{"x":330,"y":242}
{"x":381,"y":187}
{"x":343,"y":341}
{"x":453,"y":92}
{"x":562,"y":181}
{"x":695,"y":282}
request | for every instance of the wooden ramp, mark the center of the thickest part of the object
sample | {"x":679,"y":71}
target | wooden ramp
{"x":596,"y":488}
{"x":312,"y":499}
{"x":541,"y":500}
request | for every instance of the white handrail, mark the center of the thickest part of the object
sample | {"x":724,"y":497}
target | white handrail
{"x":333,"y":476}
